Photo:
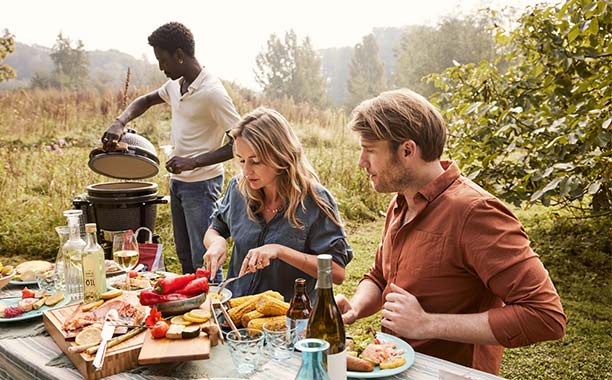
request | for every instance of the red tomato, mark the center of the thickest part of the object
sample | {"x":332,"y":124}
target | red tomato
{"x":160,"y":329}
{"x":133,"y":274}
{"x":27,"y":293}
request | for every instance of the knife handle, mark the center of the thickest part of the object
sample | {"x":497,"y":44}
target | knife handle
{"x":99,"y":359}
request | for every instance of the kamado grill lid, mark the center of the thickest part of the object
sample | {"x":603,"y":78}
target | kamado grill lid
{"x":138,"y":160}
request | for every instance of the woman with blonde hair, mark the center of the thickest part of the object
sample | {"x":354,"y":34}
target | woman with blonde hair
{"x":278,"y":214}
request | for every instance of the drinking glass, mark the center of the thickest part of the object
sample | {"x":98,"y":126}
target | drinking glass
{"x":280,"y":340}
{"x":245,"y":346}
{"x":125,"y":253}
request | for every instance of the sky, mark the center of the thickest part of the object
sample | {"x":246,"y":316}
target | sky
{"x":228,"y":33}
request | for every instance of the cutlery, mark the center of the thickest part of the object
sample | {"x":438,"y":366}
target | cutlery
{"x":227,"y":281}
{"x":107,"y":333}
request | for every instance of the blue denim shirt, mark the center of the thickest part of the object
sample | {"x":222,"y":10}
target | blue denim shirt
{"x":319,"y":235}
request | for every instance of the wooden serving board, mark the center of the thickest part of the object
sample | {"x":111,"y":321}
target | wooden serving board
{"x":119,"y":358}
{"x":155,"y":351}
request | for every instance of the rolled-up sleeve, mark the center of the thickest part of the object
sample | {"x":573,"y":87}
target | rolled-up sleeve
{"x":497,"y":249}
{"x":327,"y":237}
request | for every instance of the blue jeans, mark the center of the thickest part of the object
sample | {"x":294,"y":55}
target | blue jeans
{"x":192,"y":204}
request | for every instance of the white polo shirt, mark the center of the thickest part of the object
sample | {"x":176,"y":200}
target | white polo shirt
{"x":200,"y":118}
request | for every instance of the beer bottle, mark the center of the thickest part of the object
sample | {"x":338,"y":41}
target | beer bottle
{"x":299,"y":309}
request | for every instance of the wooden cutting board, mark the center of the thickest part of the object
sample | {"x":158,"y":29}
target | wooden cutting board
{"x":155,"y":351}
{"x":119,"y":358}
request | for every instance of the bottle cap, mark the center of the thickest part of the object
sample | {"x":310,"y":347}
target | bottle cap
{"x":90,"y":228}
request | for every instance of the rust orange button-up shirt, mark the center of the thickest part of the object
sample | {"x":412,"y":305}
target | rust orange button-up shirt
{"x":463,"y":253}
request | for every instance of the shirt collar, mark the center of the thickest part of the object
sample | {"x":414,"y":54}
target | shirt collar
{"x":435,"y":187}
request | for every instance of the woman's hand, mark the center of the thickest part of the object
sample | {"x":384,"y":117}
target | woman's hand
{"x":259,"y":258}
{"x":215,"y":256}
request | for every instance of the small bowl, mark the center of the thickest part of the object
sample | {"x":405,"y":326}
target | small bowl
{"x":180,"y":306}
{"x":6,"y":279}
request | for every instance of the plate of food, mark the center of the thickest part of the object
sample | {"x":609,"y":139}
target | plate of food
{"x":112,"y":268}
{"x":138,"y":280}
{"x":26,"y":272}
{"x":385,"y":355}
{"x":226,"y":294}
{"x":18,"y":309}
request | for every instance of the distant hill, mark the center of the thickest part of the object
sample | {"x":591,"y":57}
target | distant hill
{"x":107,"y":68}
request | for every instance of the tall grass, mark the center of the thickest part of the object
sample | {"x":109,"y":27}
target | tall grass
{"x":47,"y":136}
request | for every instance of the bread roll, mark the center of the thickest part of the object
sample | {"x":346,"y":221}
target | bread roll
{"x":358,"y":365}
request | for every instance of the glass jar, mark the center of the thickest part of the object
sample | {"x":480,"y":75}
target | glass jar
{"x":312,"y":357}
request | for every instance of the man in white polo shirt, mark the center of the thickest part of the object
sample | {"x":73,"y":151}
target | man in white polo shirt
{"x":201,"y":113}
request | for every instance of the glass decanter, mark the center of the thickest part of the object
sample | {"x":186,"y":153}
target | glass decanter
{"x":312,"y":356}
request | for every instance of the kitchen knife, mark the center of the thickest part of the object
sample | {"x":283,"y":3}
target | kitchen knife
{"x":107,"y":333}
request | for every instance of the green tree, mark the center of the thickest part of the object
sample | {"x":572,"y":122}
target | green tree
{"x":367,"y":73}
{"x":290,"y":69}
{"x":539,"y":129}
{"x":71,"y":63}
{"x":425,"y":50}
{"x":7,"y":46}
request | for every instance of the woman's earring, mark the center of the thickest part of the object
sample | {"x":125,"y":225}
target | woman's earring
{"x":181,"y":61}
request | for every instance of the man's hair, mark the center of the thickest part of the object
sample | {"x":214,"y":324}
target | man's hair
{"x":172,"y":36}
{"x":400,"y":115}
{"x":273,"y":141}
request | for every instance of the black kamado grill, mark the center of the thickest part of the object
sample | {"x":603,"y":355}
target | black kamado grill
{"x":128,"y":204}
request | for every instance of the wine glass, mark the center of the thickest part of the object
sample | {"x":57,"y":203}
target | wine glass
{"x":125,"y":253}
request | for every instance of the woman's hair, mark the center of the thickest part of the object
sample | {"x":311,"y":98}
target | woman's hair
{"x":172,"y":36}
{"x":400,"y":115}
{"x":273,"y":141}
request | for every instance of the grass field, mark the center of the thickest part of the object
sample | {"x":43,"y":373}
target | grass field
{"x":44,"y":146}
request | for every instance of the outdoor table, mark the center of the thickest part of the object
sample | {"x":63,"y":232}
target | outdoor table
{"x":36,"y":356}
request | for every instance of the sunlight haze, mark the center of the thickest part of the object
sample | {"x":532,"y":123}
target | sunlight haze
{"x":228,"y":34}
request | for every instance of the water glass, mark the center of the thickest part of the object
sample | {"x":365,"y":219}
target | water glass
{"x":49,"y":281}
{"x":245,"y":346}
{"x":280,"y":340}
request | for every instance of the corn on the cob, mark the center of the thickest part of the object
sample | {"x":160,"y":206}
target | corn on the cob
{"x":235,"y":302}
{"x":250,"y":316}
{"x":269,"y":306}
{"x":277,"y":322}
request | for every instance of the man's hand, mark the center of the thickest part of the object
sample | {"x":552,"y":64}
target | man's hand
{"x":176,"y":164}
{"x":111,"y":137}
{"x":348,"y":314}
{"x":259,"y":258}
{"x":402,"y":313}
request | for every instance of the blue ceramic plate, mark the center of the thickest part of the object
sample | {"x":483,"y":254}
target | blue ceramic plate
{"x":23,"y":283}
{"x":32,"y":313}
{"x":401,"y":345}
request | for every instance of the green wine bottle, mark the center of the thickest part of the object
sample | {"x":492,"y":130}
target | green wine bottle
{"x":325,"y":321}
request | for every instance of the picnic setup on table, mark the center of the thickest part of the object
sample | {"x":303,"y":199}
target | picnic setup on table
{"x":177,"y":326}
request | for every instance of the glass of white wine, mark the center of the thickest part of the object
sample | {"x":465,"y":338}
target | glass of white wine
{"x":125,"y":253}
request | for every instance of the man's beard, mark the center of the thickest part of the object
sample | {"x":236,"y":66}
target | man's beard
{"x":393,"y":177}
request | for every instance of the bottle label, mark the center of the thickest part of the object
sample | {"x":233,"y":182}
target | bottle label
{"x":90,"y":287}
{"x":336,"y":366}
{"x":300,"y":327}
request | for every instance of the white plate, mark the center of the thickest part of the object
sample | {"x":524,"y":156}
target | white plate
{"x":149,"y":275}
{"x":401,"y":345}
{"x":32,"y":313}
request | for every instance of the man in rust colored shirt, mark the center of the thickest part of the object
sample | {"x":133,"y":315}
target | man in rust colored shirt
{"x":454,"y":274}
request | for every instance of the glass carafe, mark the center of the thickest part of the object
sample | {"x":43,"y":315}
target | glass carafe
{"x":72,"y":252}
{"x":312,"y":357}
{"x":63,"y":232}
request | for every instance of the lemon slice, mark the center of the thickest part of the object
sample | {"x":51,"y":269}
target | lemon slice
{"x":89,"y":335}
{"x":393,"y":362}
{"x":179,"y":320}
{"x":189,"y":317}
{"x":200,"y":313}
